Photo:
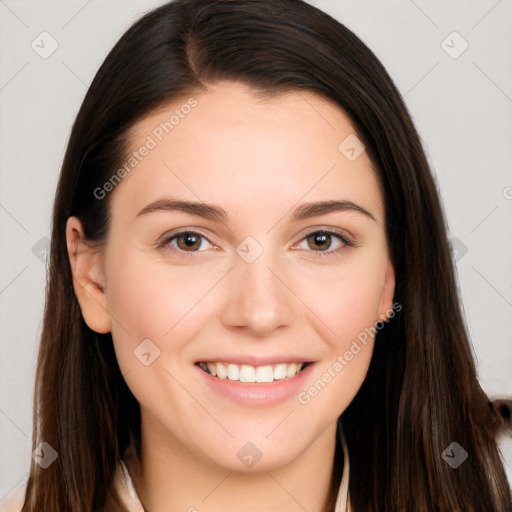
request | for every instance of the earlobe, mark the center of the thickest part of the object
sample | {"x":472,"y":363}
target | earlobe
{"x":88,"y":277}
{"x":388,"y":292}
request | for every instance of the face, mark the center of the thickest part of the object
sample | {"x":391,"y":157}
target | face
{"x":250,"y":276}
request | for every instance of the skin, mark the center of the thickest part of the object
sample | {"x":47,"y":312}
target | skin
{"x":258,"y":160}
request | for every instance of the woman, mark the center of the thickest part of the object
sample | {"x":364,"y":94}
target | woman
{"x":251,"y":301}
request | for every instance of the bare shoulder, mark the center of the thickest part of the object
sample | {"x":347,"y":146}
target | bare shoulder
{"x":14,"y":501}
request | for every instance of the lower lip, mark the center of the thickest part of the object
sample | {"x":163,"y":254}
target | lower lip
{"x":260,"y":394}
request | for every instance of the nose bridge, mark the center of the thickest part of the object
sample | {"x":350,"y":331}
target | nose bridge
{"x":257,"y":299}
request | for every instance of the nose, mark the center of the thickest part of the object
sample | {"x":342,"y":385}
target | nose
{"x":258,"y":298}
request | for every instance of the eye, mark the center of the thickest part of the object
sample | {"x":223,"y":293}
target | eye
{"x":187,"y":242}
{"x":323,"y":242}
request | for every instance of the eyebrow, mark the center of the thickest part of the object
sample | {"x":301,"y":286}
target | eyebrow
{"x":216,"y":213}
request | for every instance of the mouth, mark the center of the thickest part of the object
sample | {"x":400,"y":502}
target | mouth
{"x":252,"y":374}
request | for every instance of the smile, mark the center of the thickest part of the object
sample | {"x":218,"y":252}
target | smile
{"x":252,"y":374}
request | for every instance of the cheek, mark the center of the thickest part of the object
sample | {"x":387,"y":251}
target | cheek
{"x":344,"y":301}
{"x":345,"y":317}
{"x":336,"y":383}
{"x":149,"y":299}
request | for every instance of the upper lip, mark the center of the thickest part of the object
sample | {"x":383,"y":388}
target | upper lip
{"x":255,"y":360}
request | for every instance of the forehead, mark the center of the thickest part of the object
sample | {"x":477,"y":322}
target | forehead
{"x":229,"y":145}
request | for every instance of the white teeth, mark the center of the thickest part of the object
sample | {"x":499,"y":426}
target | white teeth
{"x":280,"y":371}
{"x":212,"y":369}
{"x":292,"y":370}
{"x":222,"y":373}
{"x":233,"y":372}
{"x":264,"y":374}
{"x":248,"y":373}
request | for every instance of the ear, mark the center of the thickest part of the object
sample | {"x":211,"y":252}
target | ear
{"x":88,"y":277}
{"x":388,"y":292}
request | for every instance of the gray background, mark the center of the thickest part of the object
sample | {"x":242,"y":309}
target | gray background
{"x":461,"y":104}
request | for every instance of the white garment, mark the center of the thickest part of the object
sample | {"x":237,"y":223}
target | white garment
{"x":124,"y":485}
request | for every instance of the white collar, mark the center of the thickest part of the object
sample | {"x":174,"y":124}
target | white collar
{"x":124,"y":485}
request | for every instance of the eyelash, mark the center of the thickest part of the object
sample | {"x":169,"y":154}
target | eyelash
{"x":164,"y":244}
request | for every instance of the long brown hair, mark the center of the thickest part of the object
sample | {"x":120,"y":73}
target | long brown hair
{"x":421,"y":392}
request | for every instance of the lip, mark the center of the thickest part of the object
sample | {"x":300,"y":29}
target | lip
{"x":256,"y":394}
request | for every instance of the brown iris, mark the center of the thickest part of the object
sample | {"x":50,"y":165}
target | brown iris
{"x":188,"y":241}
{"x":321,"y":240}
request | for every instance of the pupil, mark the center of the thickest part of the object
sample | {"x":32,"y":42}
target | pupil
{"x":321,"y":239}
{"x":189,"y":240}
